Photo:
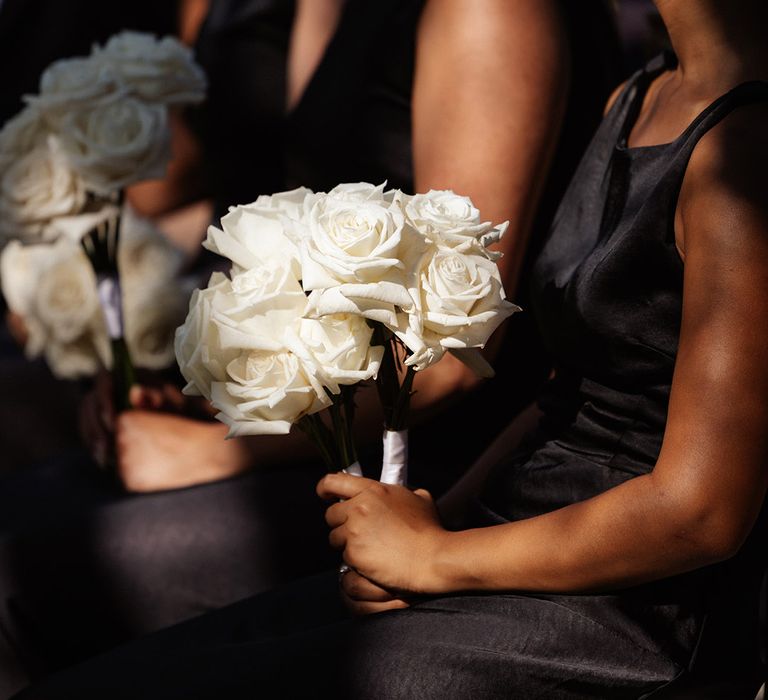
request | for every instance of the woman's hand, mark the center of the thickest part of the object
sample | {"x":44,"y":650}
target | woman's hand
{"x":166,"y":441}
{"x":159,"y":451}
{"x":97,"y":413}
{"x":388,"y":534}
{"x":363,"y":597}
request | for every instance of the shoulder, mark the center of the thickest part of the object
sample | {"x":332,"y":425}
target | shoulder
{"x":724,"y":195}
{"x":730,"y":160}
{"x":734,"y":150}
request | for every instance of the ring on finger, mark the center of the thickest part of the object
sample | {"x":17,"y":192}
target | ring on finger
{"x":344,"y":569}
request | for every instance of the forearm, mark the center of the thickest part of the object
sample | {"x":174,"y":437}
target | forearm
{"x":631,"y":534}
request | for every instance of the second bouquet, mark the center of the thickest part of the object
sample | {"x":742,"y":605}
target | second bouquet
{"x":330,"y":291}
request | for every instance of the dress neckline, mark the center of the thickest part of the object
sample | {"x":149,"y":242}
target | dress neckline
{"x":661,"y":64}
{"x":664,"y":62}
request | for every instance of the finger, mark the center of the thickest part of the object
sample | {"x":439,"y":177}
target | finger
{"x":339,"y":485}
{"x":358,"y":607}
{"x":423,"y":493}
{"x":359,"y":588}
{"x":336,"y":514}
{"x":338,"y":537}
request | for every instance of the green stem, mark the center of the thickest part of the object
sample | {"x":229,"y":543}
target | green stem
{"x":123,"y":376}
{"x":339,"y":432}
{"x":314,"y":427}
{"x":399,"y":419}
{"x":387,"y":380}
{"x":348,"y":417}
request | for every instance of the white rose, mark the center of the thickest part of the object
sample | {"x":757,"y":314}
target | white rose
{"x":247,"y":311}
{"x":265,"y":230}
{"x":152,"y":315}
{"x":449,"y":219}
{"x":66,"y":300}
{"x":71,"y":83}
{"x":339,"y":346}
{"x":36,"y":189}
{"x":52,"y":287}
{"x":292,"y":203}
{"x":233,"y":350}
{"x":460,"y":302}
{"x":20,"y":267}
{"x":115,"y":142}
{"x":362,"y":192}
{"x":145,"y":256}
{"x":199,"y":353}
{"x":82,"y":357}
{"x":20,"y":135}
{"x":158,"y":70}
{"x":356,"y":242}
{"x":268,"y":391}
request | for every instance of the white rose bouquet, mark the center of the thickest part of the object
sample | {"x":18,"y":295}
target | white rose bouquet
{"x":98,"y":124}
{"x":53,"y":289}
{"x":329,"y":290}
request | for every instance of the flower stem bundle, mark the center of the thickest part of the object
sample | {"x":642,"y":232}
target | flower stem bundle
{"x":101,"y":245}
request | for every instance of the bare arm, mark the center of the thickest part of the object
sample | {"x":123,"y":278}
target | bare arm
{"x":702,"y":498}
{"x":182,"y":184}
{"x":488,"y":100}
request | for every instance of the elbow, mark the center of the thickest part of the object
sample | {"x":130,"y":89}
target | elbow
{"x":713,"y":534}
{"x":703,"y":522}
{"x":719,"y":546}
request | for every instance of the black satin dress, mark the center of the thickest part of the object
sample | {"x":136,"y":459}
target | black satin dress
{"x":83,"y":566}
{"x":608,"y":295}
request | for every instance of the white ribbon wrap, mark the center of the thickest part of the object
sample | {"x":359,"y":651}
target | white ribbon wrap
{"x":394,"y":462}
{"x":111,"y":300}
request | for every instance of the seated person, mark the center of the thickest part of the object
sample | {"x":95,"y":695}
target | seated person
{"x":617,"y":549}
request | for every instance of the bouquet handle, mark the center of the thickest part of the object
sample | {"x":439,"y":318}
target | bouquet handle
{"x":394,"y":463}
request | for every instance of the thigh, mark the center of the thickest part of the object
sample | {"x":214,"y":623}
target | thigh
{"x":298,"y":643}
{"x":283,"y":643}
{"x":496,"y":646}
{"x":75,"y":586}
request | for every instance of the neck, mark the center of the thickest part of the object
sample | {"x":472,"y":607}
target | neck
{"x":718,"y":43}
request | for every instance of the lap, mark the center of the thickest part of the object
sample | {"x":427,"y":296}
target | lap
{"x":102,"y":567}
{"x":297,"y":642}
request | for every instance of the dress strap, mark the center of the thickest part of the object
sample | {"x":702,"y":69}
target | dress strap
{"x":636,"y":88}
{"x":747,"y":93}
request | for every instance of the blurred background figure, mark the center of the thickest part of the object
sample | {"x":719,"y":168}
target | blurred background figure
{"x":33,"y":34}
